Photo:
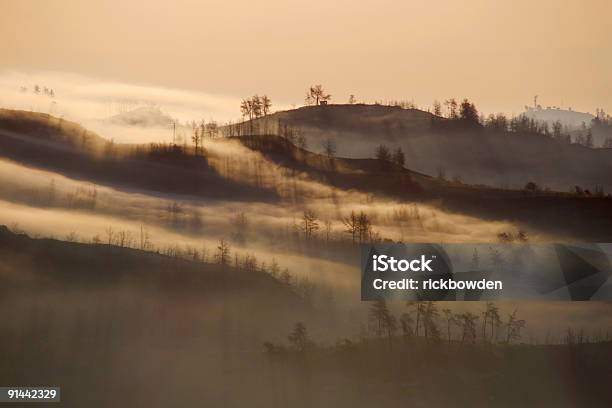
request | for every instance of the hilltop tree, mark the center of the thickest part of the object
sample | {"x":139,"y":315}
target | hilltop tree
{"x":497,"y":122}
{"x":382,"y":153}
{"x":246,"y":108}
{"x":352,"y":100}
{"x":468,"y":113}
{"x":256,"y":106}
{"x":398,"y":157}
{"x":266,"y":104}
{"x":316,"y":94}
{"x":437,"y":108}
{"x":451,"y":107}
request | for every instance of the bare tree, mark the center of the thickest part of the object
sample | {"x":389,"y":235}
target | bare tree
{"x":451,"y":106}
{"x":223,"y":253}
{"x":266,"y":104}
{"x":383,"y":322}
{"x":437,"y":108}
{"x":299,"y":338}
{"x":513,"y":328}
{"x":467,"y":323}
{"x":309,"y":223}
{"x":196,"y":138}
{"x":352,"y":225}
{"x":256,"y":106}
{"x":316,"y":94}
{"x":352,"y":100}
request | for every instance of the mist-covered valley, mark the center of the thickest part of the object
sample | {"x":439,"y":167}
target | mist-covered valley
{"x":230,"y":255}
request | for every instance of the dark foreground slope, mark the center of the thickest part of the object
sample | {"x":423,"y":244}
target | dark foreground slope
{"x":400,"y":372}
{"x":122,"y":327}
{"x":43,"y":141}
{"x":570,"y":216}
{"x":433,"y":144}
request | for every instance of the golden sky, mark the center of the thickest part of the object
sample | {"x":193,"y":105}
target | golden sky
{"x":498,"y":53}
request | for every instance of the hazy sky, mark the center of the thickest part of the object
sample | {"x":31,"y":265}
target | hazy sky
{"x":498,"y":53}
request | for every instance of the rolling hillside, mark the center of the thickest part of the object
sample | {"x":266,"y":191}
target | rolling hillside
{"x":43,"y":141}
{"x":570,"y":215}
{"x":474,"y":156}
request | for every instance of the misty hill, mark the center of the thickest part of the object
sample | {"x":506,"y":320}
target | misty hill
{"x":144,"y":116}
{"x":583,"y":217}
{"x":436,"y":145}
{"x":49,"y":265}
{"x":570,"y":118}
{"x":97,"y":318}
{"x":61,"y":146}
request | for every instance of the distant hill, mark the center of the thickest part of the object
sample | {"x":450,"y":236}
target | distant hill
{"x":583,"y":217}
{"x":144,"y":116}
{"x":569,"y":118}
{"x":473,"y":155}
{"x":51,"y":143}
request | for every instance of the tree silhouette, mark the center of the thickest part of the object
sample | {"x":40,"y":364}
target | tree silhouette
{"x":196,"y":138}
{"x":266,"y":104}
{"x":309,"y":223}
{"x":398,"y":157}
{"x":223,"y":253}
{"x":383,"y":322}
{"x":451,"y":107}
{"x":382,"y":153}
{"x":513,"y":328}
{"x":298,"y":338}
{"x":467,"y":323}
{"x":437,"y":108}
{"x":468,"y":113}
{"x":316,"y":94}
{"x":430,"y":314}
